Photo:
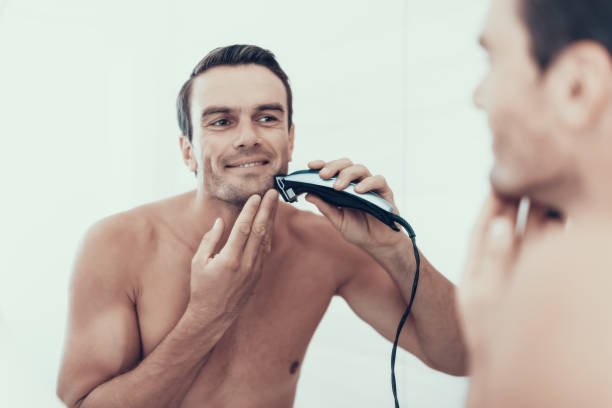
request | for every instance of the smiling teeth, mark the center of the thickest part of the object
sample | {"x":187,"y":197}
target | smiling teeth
{"x":251,"y":164}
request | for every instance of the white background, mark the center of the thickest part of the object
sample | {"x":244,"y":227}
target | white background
{"x":87,"y":126}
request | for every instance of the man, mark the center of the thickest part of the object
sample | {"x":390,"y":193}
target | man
{"x":211,"y":298}
{"x":535,"y":302}
{"x":535,"y":307}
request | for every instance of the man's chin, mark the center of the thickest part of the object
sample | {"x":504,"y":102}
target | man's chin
{"x":506,"y":185}
{"x":239,"y":193}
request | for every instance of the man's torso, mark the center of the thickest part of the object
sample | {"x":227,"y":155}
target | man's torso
{"x":257,"y":360}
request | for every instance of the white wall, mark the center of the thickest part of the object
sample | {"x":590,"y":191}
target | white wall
{"x":87,"y":126}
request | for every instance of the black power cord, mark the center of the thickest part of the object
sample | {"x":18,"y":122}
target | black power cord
{"x":415,"y":283}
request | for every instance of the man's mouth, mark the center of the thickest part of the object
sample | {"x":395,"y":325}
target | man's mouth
{"x":248,"y":164}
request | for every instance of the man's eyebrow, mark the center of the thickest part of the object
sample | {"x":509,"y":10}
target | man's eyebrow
{"x":216,"y":109}
{"x":270,"y":106}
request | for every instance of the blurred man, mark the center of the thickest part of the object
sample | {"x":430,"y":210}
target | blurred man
{"x":535,"y":305}
{"x":536,"y":298}
{"x":211,"y":298}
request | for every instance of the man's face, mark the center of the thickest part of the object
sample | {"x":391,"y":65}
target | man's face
{"x":240,"y":134}
{"x":517,"y":100}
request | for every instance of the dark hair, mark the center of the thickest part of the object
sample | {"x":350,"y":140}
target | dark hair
{"x":554,"y":25}
{"x":238,"y":54}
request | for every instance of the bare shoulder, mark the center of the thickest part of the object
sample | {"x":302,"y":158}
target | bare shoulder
{"x":103,"y":259}
{"x":313,"y":230}
{"x":116,"y":247}
{"x":558,"y":297}
{"x":562,"y":282}
{"x":307,"y":226}
{"x":316,"y":233}
{"x":121,"y":233}
{"x":573,"y":254}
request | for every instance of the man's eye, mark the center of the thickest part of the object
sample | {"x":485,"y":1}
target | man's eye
{"x":221,"y":122}
{"x":267,"y":118}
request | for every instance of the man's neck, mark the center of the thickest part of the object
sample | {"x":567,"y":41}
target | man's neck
{"x":203,"y":210}
{"x":593,"y":205}
{"x":591,"y":196}
{"x":593,"y":160}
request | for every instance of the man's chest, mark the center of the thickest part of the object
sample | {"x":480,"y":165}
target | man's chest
{"x":272,"y":330}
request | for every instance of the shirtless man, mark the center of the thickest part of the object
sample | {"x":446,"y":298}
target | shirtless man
{"x":210,"y":298}
{"x":536,"y":305}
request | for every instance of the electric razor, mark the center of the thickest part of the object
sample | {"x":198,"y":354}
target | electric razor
{"x":309,"y":181}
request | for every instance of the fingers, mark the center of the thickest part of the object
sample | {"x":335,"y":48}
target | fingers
{"x":242,"y":228}
{"x":333,"y":167}
{"x":209,"y":241}
{"x":488,"y":210}
{"x":316,"y":164}
{"x":496,"y":254}
{"x":261,"y":230}
{"x":500,"y":239}
{"x":348,"y":172}
{"x":494,"y":206}
{"x":377,"y":184}
{"x":267,"y":244}
{"x":351,"y":173}
{"x":334,"y":214}
{"x":493,"y":240}
{"x":344,"y":169}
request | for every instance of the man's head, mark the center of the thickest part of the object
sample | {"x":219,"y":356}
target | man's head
{"x":547,"y":90}
{"x":235,"y":115}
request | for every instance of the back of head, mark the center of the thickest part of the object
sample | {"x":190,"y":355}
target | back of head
{"x":554,"y":25}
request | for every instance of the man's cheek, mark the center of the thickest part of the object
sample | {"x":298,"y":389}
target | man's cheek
{"x":495,"y":118}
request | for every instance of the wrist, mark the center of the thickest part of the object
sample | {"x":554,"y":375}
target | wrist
{"x":396,"y":257}
{"x":201,"y":318}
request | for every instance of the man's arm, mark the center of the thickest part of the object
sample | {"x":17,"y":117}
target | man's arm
{"x":380,"y":297}
{"x":103,"y":345}
{"x":433,"y":319}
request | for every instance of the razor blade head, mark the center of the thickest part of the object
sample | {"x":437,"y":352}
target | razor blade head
{"x":286,"y":192}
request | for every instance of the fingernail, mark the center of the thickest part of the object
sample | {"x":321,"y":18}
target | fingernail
{"x":217,"y":223}
{"x":500,"y":228}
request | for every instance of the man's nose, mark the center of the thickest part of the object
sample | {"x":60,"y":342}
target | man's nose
{"x":247,"y":136}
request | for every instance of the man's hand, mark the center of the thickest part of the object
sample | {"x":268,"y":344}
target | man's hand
{"x":496,"y":251}
{"x":356,"y":226}
{"x":495,"y":248}
{"x":492,"y":253}
{"x":225,"y":281}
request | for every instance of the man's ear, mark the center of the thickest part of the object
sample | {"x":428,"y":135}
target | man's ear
{"x":188,"y":154}
{"x":291,"y":140}
{"x":579,"y":85}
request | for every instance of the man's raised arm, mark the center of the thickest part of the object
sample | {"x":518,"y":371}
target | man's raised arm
{"x":432,"y":330}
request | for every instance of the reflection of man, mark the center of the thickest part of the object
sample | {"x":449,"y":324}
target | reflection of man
{"x":170,"y":308}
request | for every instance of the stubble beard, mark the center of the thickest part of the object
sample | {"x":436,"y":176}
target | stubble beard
{"x":236,"y":194}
